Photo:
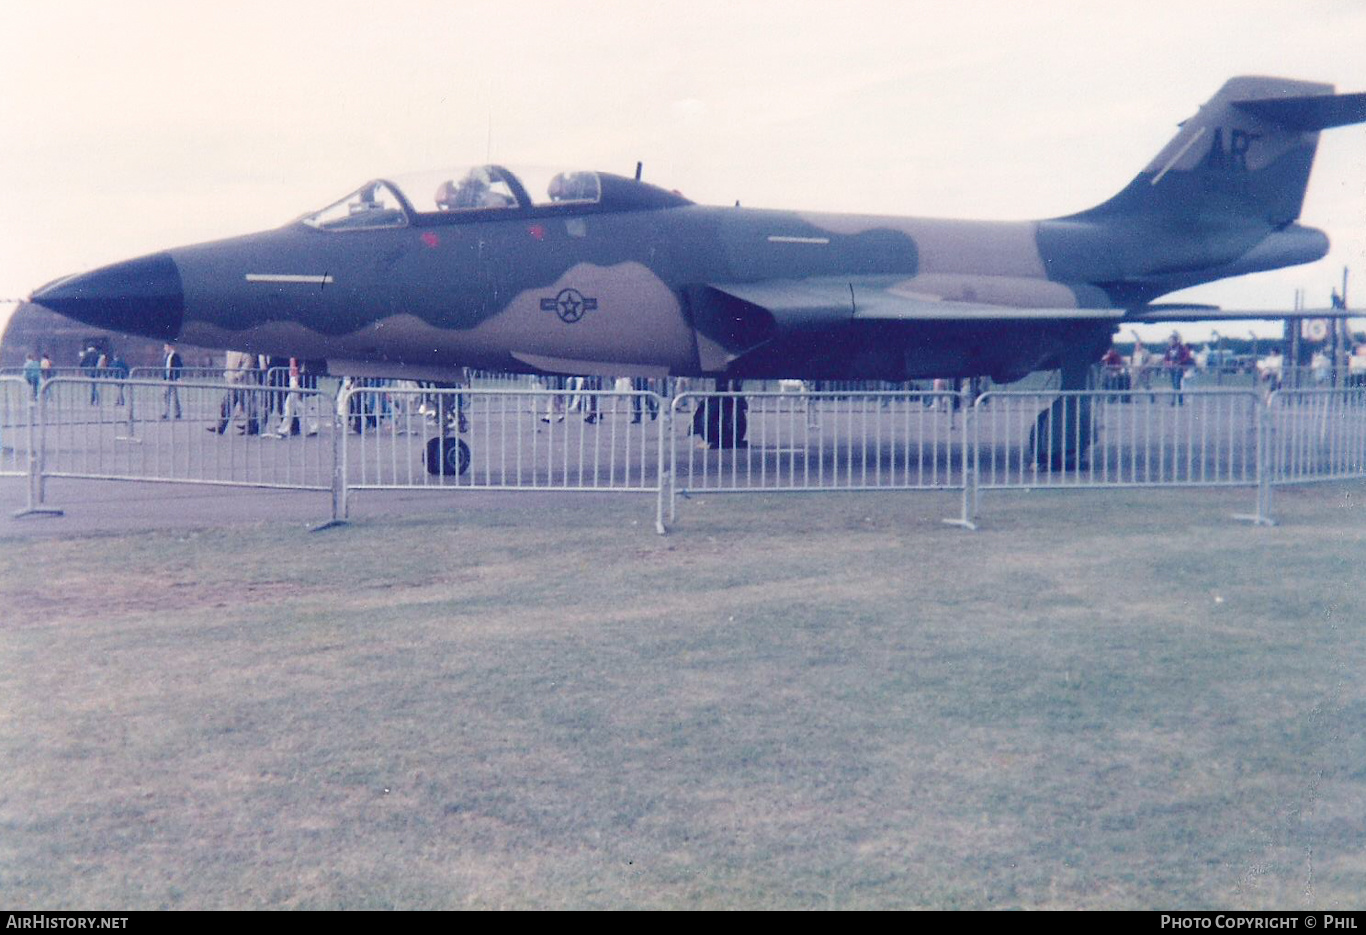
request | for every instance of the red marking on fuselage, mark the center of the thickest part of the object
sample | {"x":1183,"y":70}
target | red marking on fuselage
{"x":536,"y":231}
{"x":431,"y":239}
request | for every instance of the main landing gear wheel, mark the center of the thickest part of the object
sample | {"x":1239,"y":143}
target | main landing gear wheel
{"x":723,"y":421}
{"x":1062,"y":434}
{"x":449,"y":457}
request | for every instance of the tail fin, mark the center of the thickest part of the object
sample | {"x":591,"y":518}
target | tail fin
{"x":1240,"y":164}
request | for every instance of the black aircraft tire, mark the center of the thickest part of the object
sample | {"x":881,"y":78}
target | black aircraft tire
{"x":1062,"y":435}
{"x":449,"y":457}
{"x":722,"y":422}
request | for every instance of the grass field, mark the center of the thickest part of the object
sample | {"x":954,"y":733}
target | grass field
{"x":1117,"y":699}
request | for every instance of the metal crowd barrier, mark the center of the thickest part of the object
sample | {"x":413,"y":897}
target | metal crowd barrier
{"x":49,"y":373}
{"x":586,"y":440}
{"x":20,"y":445}
{"x":827,"y":441}
{"x":489,"y":380}
{"x":1157,"y":438}
{"x":371,"y":435}
{"x":16,"y":426}
{"x":184,"y":431}
{"x":193,"y":374}
{"x":1117,"y":438}
{"x":1316,"y":434}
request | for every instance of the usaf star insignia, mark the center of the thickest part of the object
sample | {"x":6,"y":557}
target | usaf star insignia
{"x":570,"y":305}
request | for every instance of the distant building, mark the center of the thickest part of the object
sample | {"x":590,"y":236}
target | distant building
{"x":36,"y":329}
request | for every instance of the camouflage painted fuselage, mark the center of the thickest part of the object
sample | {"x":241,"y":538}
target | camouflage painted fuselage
{"x":626,"y":292}
{"x":643,"y":282}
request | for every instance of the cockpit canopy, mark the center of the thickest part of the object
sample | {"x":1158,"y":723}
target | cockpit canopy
{"x":486,"y":193}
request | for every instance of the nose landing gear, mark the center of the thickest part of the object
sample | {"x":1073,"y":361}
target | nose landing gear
{"x":446,"y":456}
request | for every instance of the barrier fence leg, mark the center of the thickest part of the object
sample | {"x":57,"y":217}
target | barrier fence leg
{"x":1264,"y":517}
{"x":340,"y":506}
{"x":663,"y":474}
{"x":36,"y":490}
{"x":130,"y":397}
{"x":968,"y":517}
{"x":673,"y":461}
{"x":1265,"y":470}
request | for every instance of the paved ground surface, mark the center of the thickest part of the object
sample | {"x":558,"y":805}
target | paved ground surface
{"x":121,"y":506}
{"x":115,"y":506}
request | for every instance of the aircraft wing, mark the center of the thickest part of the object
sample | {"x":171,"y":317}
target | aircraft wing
{"x":825,"y":300}
{"x":893,"y":305}
{"x":816,"y":301}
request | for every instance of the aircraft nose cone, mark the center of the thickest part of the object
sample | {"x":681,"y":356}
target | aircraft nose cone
{"x":143,"y":296}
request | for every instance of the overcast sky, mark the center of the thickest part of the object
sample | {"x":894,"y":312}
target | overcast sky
{"x":134,"y":126}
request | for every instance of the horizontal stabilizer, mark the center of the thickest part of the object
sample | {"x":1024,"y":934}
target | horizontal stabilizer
{"x":1174,"y":313}
{"x":1316,"y":112}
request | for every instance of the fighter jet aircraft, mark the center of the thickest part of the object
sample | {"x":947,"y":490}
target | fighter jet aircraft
{"x":589,"y":272}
